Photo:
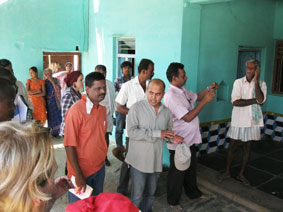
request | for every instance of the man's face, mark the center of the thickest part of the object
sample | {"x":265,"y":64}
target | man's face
{"x":127,"y":71}
{"x":250,"y":71}
{"x":7,"y":108}
{"x":155,"y":93}
{"x":97,"y":91}
{"x":182,"y":78}
{"x":149,"y":72}
{"x":69,"y":68}
{"x":101,"y":71}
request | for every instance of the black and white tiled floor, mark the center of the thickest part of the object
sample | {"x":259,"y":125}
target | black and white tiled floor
{"x":264,"y":170}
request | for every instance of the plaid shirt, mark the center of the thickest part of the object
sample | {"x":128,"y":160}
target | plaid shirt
{"x":69,"y":98}
{"x":119,"y":82}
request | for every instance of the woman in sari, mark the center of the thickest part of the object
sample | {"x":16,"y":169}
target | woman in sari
{"x":36,"y":91}
{"x":53,"y":102}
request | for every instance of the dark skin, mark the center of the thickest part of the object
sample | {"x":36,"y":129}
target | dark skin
{"x":34,"y":77}
{"x":7,"y":108}
{"x":144,"y":75}
{"x":252,"y":73}
{"x":127,"y":72}
{"x":204,"y":96}
{"x":96,"y":94}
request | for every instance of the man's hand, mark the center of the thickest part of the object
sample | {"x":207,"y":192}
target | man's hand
{"x":177,"y":139}
{"x":167,"y":134}
{"x":81,"y":183}
{"x":257,"y":73}
{"x":213,"y":86}
{"x":209,"y":96}
{"x":62,"y":185}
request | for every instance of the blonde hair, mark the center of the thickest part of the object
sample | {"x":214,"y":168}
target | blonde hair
{"x":27,"y":163}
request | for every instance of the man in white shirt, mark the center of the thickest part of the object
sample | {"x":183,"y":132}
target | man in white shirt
{"x":248,"y":95}
{"x":130,"y":93}
{"x":109,"y":103}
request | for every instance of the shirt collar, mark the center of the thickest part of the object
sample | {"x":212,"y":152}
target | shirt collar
{"x":125,"y":79}
{"x":245,"y":79}
{"x":89,"y":104}
{"x":136,"y":80}
{"x":159,"y":109}
{"x":178,"y":90}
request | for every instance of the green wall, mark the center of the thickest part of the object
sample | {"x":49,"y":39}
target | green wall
{"x":204,"y":37}
{"x":223,"y":28}
{"x":275,"y":102}
{"x":29,"y":27}
{"x":156,"y":25}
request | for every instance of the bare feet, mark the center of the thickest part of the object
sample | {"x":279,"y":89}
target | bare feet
{"x":223,"y":177}
{"x":176,"y":207}
{"x":242,"y":179}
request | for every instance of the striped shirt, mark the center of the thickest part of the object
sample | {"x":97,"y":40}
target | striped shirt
{"x":144,"y":130}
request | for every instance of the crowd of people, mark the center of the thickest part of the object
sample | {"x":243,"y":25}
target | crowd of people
{"x":85,"y":120}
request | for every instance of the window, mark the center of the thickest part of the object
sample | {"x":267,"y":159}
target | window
{"x":126,"y":49}
{"x":245,"y":54}
{"x":57,"y":60}
{"x":277,"y":83}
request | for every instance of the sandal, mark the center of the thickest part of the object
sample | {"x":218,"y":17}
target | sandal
{"x":176,"y":207}
{"x":242,"y":179}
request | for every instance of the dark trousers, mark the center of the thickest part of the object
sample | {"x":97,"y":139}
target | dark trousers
{"x":107,"y":140}
{"x":96,"y":181}
{"x":120,"y":126}
{"x":124,"y":174}
{"x":176,"y":180}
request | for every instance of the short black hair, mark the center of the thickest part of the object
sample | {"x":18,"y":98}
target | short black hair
{"x":34,"y":69}
{"x":7,"y":89}
{"x":93,"y":76}
{"x":125,"y":64}
{"x":144,"y":64}
{"x":4,"y":63}
{"x":7,"y":75}
{"x":173,"y":70}
{"x":101,"y":67}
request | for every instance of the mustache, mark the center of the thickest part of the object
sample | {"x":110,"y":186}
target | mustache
{"x":102,"y":95}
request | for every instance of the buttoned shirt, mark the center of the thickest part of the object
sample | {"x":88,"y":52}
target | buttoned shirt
{"x":119,"y":82}
{"x":242,"y":116}
{"x":85,"y":130}
{"x":110,"y":104}
{"x":144,"y":131}
{"x":130,"y":93}
{"x":180,"y":101}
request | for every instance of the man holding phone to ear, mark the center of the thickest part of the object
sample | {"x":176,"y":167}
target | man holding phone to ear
{"x":248,"y":95}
